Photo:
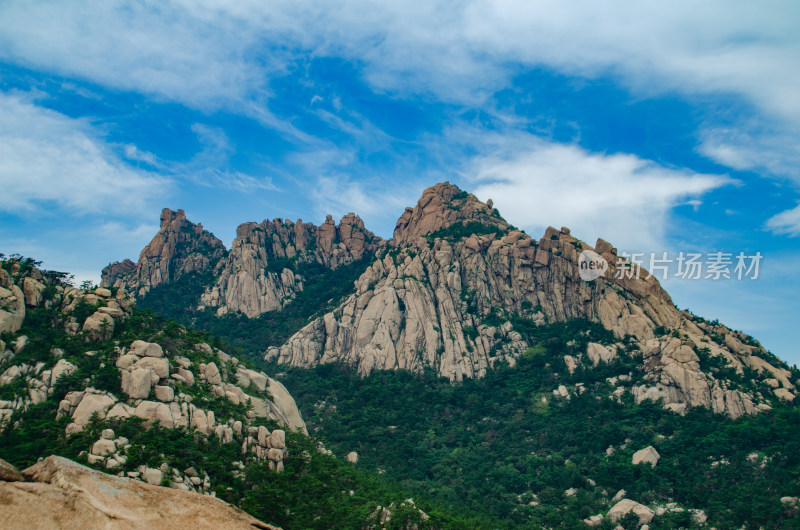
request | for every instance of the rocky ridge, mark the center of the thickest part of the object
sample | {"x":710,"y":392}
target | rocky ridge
{"x":444,"y":295}
{"x":259,"y":274}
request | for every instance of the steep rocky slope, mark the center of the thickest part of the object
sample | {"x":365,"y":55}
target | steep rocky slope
{"x":446,"y":294}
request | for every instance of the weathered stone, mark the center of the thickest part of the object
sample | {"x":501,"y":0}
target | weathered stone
{"x":120,"y":410}
{"x":62,"y":367}
{"x":594,"y":520}
{"x":103,"y":447}
{"x":213,"y":376}
{"x":32,"y":290}
{"x":597,"y":353}
{"x":277,"y":439}
{"x":99,"y":326}
{"x":12,"y":309}
{"x":626,"y":506}
{"x":187,"y":375}
{"x":9,"y":473}
{"x":648,"y":455}
{"x":153,"y":476}
{"x":90,"y":404}
{"x":159,"y":366}
{"x":141,"y":348}
{"x":137,"y":383}
{"x":164,"y":393}
{"x":263,"y":436}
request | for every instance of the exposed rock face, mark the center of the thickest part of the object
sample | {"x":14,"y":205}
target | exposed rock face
{"x":256,"y":276}
{"x":425,"y":301}
{"x":59,"y":493}
{"x":12,"y":304}
{"x":179,"y":247}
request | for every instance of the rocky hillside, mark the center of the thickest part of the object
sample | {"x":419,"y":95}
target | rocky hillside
{"x":458,"y":287}
{"x":183,"y":384}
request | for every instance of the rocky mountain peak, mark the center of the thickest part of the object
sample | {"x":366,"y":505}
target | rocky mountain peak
{"x":441,"y":206}
{"x":179,"y":247}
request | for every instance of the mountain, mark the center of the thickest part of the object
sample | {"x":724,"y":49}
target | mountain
{"x":180,"y":247}
{"x":88,"y":379}
{"x":459,"y":291}
{"x":457,"y":279}
{"x":476,"y":367}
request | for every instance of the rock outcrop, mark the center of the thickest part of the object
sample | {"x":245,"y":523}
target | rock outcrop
{"x":179,"y":247}
{"x":441,"y":296}
{"x":59,"y":493}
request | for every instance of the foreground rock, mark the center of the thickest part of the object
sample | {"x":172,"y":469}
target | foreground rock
{"x":58,"y":493}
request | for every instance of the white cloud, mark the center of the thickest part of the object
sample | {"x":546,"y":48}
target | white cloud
{"x":137,"y":155}
{"x":787,"y":222}
{"x":214,"y":53}
{"x":619,"y":197}
{"x":203,"y":51}
{"x":208,"y":166}
{"x":48,"y":159}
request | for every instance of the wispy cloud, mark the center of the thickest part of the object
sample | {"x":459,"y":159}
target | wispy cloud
{"x":49,"y":159}
{"x":787,"y":222}
{"x":619,"y":197}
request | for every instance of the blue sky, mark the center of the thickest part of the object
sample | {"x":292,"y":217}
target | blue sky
{"x":661,"y":127}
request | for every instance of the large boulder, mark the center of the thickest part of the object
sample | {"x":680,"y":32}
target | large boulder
{"x":62,"y":367}
{"x":648,"y":455}
{"x":626,"y":506}
{"x":91,"y":403}
{"x":285,"y":402}
{"x":137,"y":383}
{"x":146,"y":349}
{"x":99,"y":326}
{"x":213,"y":376}
{"x":12,"y":308}
{"x":159,"y":366}
{"x":9,"y":473}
